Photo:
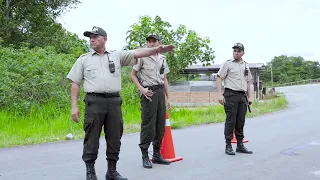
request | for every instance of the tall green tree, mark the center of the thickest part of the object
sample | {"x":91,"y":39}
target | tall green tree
{"x":32,"y":23}
{"x":190,"y":48}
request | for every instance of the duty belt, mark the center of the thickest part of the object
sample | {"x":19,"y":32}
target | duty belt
{"x":106,"y":95}
{"x":239,"y":92}
{"x":154,"y":87}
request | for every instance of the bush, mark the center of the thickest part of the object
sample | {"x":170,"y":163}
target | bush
{"x":33,"y":77}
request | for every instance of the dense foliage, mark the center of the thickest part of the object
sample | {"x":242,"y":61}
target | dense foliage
{"x":190,"y":48}
{"x":287,"y":69}
{"x":36,"y":53}
{"x":33,"y":76}
{"x":31,"y":23}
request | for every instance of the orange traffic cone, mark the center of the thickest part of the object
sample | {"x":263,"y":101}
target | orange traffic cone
{"x":167,"y":148}
{"x":234,"y":139}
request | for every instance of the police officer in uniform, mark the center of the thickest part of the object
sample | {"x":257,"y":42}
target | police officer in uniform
{"x":153,"y":86}
{"x":100,"y":71}
{"x":236,"y":97}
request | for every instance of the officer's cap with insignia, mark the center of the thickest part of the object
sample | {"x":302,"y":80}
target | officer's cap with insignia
{"x":154,"y":36}
{"x":96,"y":30}
{"x":238,"y":45}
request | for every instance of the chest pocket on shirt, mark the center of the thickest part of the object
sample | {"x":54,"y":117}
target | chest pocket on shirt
{"x":149,"y":69}
{"x":235,"y":73}
{"x":90,"y":72}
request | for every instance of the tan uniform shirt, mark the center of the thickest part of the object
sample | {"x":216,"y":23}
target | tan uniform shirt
{"x":233,"y":75}
{"x":149,"y":70}
{"x":94,"y":70}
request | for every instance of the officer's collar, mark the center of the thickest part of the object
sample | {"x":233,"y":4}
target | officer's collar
{"x":92,"y":52}
{"x":233,"y":60}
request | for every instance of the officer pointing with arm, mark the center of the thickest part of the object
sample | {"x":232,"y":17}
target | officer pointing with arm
{"x":154,"y":89}
{"x":100,"y":71}
{"x":236,"y":76}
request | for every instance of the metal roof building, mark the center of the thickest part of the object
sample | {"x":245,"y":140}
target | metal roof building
{"x":197,"y":69}
{"x":255,"y":69}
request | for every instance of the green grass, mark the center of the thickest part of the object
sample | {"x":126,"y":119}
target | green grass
{"x":214,"y":114}
{"x":51,"y":123}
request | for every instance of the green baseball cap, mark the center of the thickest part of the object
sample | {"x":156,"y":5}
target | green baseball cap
{"x":95,"y":30}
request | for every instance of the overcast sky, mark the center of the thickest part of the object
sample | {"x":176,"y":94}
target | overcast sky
{"x":266,"y":28}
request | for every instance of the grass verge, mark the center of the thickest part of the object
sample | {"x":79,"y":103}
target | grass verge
{"x":40,"y":128}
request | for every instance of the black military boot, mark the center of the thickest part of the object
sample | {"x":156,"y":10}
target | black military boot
{"x":91,"y":173}
{"x":145,"y":159}
{"x":241,"y":148}
{"x":112,"y":173}
{"x":157,"y":158}
{"x":229,"y":149}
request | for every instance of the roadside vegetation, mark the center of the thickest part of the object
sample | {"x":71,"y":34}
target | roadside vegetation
{"x":36,"y":57}
{"x":49,"y":123}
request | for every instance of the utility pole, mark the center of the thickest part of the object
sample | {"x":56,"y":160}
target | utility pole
{"x":271,"y":75}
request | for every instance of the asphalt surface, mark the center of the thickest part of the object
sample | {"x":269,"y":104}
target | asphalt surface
{"x":286,"y":146}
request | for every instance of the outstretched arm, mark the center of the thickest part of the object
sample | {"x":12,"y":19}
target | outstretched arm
{"x":129,"y":58}
{"x":145,"y":52}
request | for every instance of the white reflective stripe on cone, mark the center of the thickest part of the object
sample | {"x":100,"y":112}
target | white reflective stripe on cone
{"x":167,"y":122}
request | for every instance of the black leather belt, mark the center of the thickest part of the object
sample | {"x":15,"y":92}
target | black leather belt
{"x":154,"y":87}
{"x":240,"y":92}
{"x":106,"y":95}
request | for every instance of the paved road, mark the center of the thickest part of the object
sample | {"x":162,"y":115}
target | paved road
{"x":286,"y":145}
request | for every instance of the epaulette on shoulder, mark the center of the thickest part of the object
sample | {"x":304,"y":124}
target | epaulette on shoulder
{"x":111,"y":50}
{"x":82,"y":55}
